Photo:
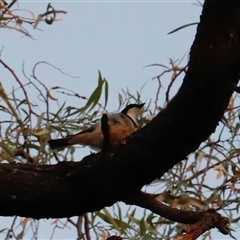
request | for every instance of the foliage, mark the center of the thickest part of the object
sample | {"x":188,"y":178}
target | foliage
{"x":19,"y":19}
{"x":209,"y":178}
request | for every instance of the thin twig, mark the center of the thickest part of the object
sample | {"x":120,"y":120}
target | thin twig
{"x":21,"y":85}
{"x":106,"y":133}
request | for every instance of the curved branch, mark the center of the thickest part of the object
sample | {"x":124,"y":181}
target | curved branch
{"x":150,"y":202}
{"x":202,"y":220}
{"x":74,"y":188}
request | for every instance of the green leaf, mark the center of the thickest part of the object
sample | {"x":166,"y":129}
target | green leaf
{"x":120,"y":99}
{"x":68,"y":112}
{"x":56,"y":115}
{"x":100,"y":80}
{"x":131,"y":216}
{"x":106,"y":93}
{"x":94,"y":98}
{"x":150,"y":218}
{"x":183,"y":26}
{"x":110,"y":218}
{"x":30,"y":145}
{"x":107,"y":218}
{"x":143,"y":227}
{"x":27,"y":116}
{"x":39,"y":121}
{"x":6,"y":149}
{"x":119,"y":212}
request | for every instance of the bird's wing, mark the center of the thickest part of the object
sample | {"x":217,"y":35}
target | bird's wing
{"x":91,"y":136}
{"x":88,"y":130}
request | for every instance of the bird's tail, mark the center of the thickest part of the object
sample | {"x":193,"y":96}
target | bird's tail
{"x":59,"y":143}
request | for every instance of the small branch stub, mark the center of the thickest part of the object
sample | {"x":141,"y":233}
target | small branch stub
{"x":209,"y":220}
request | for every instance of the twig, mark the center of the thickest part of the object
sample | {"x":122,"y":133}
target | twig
{"x":43,"y":85}
{"x":173,"y":78}
{"x":11,"y":229}
{"x":51,"y":65}
{"x":208,"y":221}
{"x":106,"y":133}
{"x":236,"y":89}
{"x":86,"y":226}
{"x":21,"y":85}
{"x":21,"y":153}
{"x":157,"y":95}
{"x":78,"y":226}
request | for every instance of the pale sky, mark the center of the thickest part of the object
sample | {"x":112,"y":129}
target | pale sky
{"x":118,"y":38}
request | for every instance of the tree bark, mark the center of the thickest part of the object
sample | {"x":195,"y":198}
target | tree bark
{"x":192,"y":115}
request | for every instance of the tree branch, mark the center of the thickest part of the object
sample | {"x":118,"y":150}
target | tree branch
{"x":201,"y":221}
{"x":150,"y":201}
{"x":210,"y":220}
{"x":191,"y":116}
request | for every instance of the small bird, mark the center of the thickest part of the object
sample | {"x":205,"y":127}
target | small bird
{"x":120,"y":124}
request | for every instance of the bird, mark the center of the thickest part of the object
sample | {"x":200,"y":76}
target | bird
{"x":120,"y":124}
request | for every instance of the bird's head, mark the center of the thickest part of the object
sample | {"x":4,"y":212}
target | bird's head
{"x":132,"y":110}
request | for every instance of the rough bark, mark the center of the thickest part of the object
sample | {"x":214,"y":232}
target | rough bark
{"x":192,"y":115}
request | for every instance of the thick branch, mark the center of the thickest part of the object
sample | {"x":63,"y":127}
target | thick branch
{"x":193,"y":114}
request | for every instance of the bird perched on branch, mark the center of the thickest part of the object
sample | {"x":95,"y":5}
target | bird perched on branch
{"x":120,"y":124}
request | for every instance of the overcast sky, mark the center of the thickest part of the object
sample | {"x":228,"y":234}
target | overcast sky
{"x":118,"y":38}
